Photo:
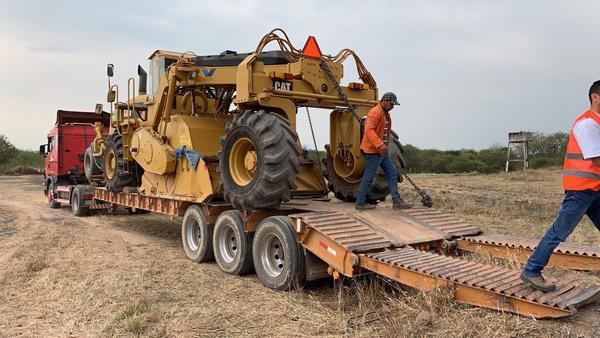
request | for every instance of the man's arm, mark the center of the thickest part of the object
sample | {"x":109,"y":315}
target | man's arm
{"x":587,"y":134}
{"x":370,"y":126}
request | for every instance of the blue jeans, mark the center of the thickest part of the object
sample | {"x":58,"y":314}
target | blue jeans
{"x":574,"y":206}
{"x":372,"y":163}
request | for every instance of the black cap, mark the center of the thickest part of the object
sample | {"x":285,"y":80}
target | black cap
{"x":391,"y":97}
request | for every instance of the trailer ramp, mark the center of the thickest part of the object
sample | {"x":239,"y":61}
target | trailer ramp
{"x":351,"y":243}
{"x":470,"y":238}
{"x":479,"y":284}
{"x":566,"y":255}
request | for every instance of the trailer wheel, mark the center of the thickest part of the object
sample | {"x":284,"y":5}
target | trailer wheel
{"x":258,"y":161}
{"x":196,"y":235}
{"x":78,"y":204}
{"x":52,"y":203}
{"x":278,"y":258}
{"x":232,"y":246}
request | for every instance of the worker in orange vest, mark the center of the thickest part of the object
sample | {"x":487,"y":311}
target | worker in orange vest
{"x":581,"y":182}
{"x":378,"y":129}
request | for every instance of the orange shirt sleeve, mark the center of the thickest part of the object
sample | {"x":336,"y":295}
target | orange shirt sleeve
{"x":371,"y":128}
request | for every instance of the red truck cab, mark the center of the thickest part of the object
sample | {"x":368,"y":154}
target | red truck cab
{"x":68,"y":140}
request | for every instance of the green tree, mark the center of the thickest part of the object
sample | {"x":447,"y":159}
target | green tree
{"x":7,"y":149}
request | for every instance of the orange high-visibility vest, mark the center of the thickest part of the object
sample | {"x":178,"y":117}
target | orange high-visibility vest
{"x":580,"y":174}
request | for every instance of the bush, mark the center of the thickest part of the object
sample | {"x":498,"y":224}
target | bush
{"x":545,"y":150}
{"x":19,"y":162}
{"x":7,"y":149}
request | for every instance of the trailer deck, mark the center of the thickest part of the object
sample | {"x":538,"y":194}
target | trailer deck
{"x":413,"y":247}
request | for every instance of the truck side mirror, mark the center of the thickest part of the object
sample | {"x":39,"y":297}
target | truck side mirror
{"x":43,"y":150}
{"x":110,"y":70}
{"x":110,"y":97}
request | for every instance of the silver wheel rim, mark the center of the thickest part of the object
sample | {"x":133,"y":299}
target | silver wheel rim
{"x":272,"y":256}
{"x":228,"y":244}
{"x":75,"y":202}
{"x":193,"y":235}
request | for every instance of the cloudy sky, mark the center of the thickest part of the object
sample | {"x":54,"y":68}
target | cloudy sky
{"x":466,"y":72}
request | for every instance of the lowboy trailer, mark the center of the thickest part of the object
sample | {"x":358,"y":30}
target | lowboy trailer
{"x":308,"y":239}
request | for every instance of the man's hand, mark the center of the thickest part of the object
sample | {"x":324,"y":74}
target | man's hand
{"x":382,"y":149}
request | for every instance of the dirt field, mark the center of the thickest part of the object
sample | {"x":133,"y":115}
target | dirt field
{"x":122,"y":275}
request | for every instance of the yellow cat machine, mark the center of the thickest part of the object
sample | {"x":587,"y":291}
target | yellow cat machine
{"x":213,"y":139}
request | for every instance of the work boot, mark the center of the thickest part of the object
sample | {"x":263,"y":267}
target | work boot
{"x":364,"y":207}
{"x":538,"y":283}
{"x":401,"y":205}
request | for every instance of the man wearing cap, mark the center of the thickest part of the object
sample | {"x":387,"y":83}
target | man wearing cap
{"x":581,"y":182}
{"x":378,"y":127}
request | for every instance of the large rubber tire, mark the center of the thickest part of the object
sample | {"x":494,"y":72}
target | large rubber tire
{"x":231,"y":245}
{"x":52,"y":203}
{"x":91,"y":166}
{"x":274,"y":144}
{"x":347,"y":191}
{"x":113,"y":165}
{"x":78,"y":206}
{"x":278,"y":258}
{"x":196,"y":235}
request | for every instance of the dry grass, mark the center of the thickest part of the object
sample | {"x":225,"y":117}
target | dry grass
{"x":132,"y":316}
{"x":36,"y":264}
{"x":121,"y":275}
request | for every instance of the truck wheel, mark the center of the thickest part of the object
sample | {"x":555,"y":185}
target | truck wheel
{"x":91,"y":166}
{"x":78,"y":204}
{"x":258,"y":161}
{"x":50,"y":193}
{"x":278,"y":258}
{"x":113,"y":165}
{"x":232,"y":246}
{"x":347,"y":191}
{"x":196,"y":235}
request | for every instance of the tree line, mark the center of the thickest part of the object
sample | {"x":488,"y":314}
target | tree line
{"x":545,"y":150}
{"x":14,"y":161}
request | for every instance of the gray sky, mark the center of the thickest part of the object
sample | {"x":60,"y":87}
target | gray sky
{"x":466,"y":72}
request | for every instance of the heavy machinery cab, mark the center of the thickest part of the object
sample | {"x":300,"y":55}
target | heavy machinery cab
{"x":67,"y":141}
{"x":160,"y":60}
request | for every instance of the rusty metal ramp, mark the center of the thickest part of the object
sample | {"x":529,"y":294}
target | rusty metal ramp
{"x":479,"y":284}
{"x":397,"y":226}
{"x":444,"y":222}
{"x":566,"y":255}
{"x":346,"y":230}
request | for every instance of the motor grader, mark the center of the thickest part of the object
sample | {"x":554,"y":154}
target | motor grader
{"x":236,"y":114}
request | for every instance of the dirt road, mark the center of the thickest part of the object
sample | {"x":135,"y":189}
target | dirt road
{"x":118,"y":275}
